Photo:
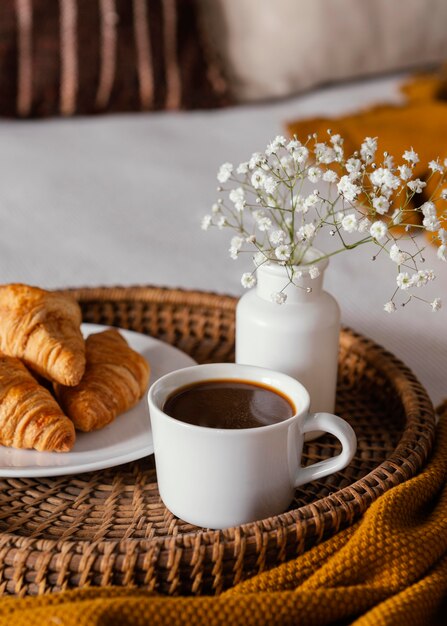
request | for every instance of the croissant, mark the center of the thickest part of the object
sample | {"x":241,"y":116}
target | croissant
{"x":115,"y":379}
{"x":29,"y":415}
{"x":42,"y":328}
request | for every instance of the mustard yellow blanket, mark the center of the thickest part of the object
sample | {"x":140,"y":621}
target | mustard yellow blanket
{"x":390,"y":569}
{"x":419,"y":122}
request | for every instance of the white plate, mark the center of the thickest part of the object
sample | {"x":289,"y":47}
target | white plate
{"x":126,"y":439}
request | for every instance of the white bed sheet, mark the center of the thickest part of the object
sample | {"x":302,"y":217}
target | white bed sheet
{"x":118,"y":200}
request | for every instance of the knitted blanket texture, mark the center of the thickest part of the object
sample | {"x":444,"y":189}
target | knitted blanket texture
{"x":389,"y":569}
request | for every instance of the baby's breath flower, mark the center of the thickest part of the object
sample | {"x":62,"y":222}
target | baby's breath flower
{"x":242,"y":168}
{"x":225,"y":172}
{"x":206,"y":222}
{"x":389,"y":307}
{"x":416,"y":185}
{"x":233,"y":253}
{"x":287,"y":164}
{"x":428,"y":209}
{"x":420,"y":279}
{"x":221,"y":222}
{"x":381,"y":205}
{"x":403,"y":280}
{"x":300,"y":154}
{"x":314,"y":174}
{"x":278,"y":297}
{"x":267,"y":209}
{"x":431,"y":224}
{"x":277,"y":237}
{"x":411,"y":156}
{"x":255,"y":160}
{"x":330,"y":176}
{"x":436,"y":304}
{"x":248,"y":280}
{"x":405,"y":172}
{"x":383,"y":177}
{"x":349,"y":223}
{"x":264,"y":223}
{"x":237,"y":196}
{"x":435,"y":166}
{"x":257,"y":179}
{"x":324,"y":153}
{"x":348,"y":189}
{"x":282,"y":252}
{"x":237,"y":242}
{"x":378,"y":230}
{"x":397,"y":255}
{"x":275,"y":145}
{"x":310,"y":201}
{"x":364,"y":225}
{"x":293,"y":145}
{"x":368,"y":149}
{"x":339,"y":153}
{"x":337,"y":140}
{"x":306,"y":232}
{"x":269,"y":184}
{"x":388,"y":161}
{"x":353,"y":166}
{"x":280,"y":141}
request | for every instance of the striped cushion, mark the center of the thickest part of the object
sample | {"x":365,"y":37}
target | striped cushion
{"x":63,"y":57}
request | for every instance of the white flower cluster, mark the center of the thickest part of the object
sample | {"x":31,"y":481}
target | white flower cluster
{"x":361,"y":198}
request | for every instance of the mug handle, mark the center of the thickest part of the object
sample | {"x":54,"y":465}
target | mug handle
{"x":342,"y":430}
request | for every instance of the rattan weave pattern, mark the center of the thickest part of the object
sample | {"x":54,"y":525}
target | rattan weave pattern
{"x":110,"y":527}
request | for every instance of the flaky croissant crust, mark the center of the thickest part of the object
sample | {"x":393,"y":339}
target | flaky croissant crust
{"x":29,"y":415}
{"x":115,"y":379}
{"x":42,"y":328}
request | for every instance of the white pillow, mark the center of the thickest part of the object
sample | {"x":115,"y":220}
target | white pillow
{"x":274,"y":48}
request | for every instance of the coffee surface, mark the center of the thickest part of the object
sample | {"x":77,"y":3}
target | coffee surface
{"x":228,"y":404}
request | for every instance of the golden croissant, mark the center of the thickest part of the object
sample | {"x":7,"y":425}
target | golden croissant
{"x":29,"y":415}
{"x":115,"y":379}
{"x":42,"y":328}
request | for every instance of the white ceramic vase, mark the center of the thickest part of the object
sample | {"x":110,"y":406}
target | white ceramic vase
{"x":300,"y":337}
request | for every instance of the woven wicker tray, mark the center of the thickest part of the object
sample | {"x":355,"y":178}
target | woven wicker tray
{"x":110,"y":527}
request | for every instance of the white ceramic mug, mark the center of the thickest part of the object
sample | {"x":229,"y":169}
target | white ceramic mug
{"x":217,"y":478}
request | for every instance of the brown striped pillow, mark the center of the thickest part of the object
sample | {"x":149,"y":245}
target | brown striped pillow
{"x":65,"y":57}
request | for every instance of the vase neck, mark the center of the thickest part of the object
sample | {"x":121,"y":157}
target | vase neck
{"x":273,"y":278}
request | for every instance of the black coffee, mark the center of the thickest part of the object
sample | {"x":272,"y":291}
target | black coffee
{"x":228,"y":404}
